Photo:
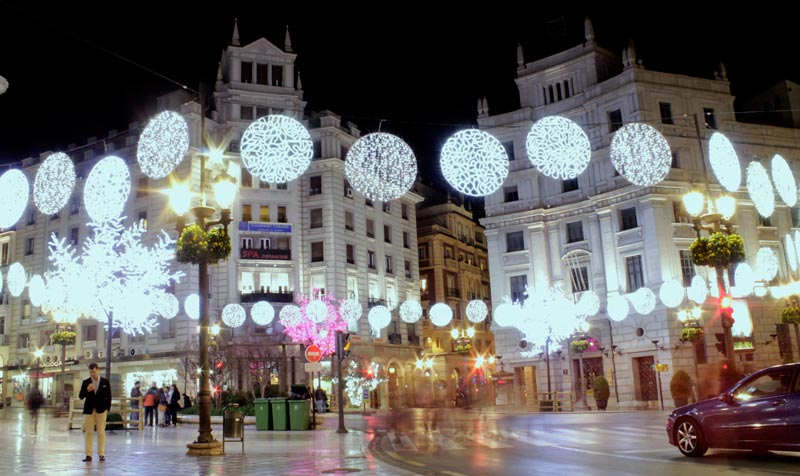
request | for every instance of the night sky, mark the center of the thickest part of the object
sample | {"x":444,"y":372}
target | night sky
{"x":420,"y":70}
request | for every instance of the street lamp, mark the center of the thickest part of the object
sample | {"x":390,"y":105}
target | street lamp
{"x":463,"y":346}
{"x":692,"y":330}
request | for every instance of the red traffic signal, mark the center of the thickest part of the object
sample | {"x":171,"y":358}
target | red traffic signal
{"x":726,"y":310}
{"x":720,"y":342}
{"x":219,"y":365}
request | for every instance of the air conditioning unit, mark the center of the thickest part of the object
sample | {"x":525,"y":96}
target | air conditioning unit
{"x":133,"y":351}
{"x":88,"y":354}
{"x":47,"y":358}
{"x":348,"y":193}
{"x":100,"y":354}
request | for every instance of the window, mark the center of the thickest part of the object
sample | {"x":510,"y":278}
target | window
{"x":517,"y":285}
{"x":368,"y":202}
{"x":764,"y":221}
{"x":406,"y":240}
{"x":351,"y":254}
{"x":26,"y":309}
{"x":687,"y":267}
{"x":348,"y":190}
{"x":633,"y":270}
{"x":676,"y":160}
{"x":75,"y":206}
{"x":580,"y":279}
{"x":55,"y":216}
{"x":246,"y":71}
{"x":282,"y":186}
{"x":387,"y":207}
{"x":389,"y":265}
{"x":348,"y":221}
{"x":679,"y":213}
{"x":32,"y":217}
{"x":23,"y":341}
{"x":316,"y":218}
{"x":4,"y":260}
{"x":247,"y":243}
{"x":510,"y":194}
{"x":614,"y":120}
{"x":407,"y":268}
{"x":317,"y":252}
{"x":167,"y":328}
{"x":387,"y":234}
{"x":264,"y":243}
{"x":772,"y":384}
{"x":370,"y":228}
{"x":317,"y":153}
{"x":281,"y":214}
{"x":277,"y":75}
{"x":90,"y":332}
{"x":246,"y":113}
{"x":29,"y":243}
{"x":315,"y":185}
{"x":449,"y":253}
{"x":514,"y":241}
{"x":370,"y":259}
{"x":422,"y":252}
{"x":665,"y":109}
{"x":574,"y":232}
{"x":141,"y":218}
{"x":264,"y":213}
{"x":509,"y":147}
{"x":247,"y":213}
{"x":247,"y":179}
{"x":404,"y":211}
{"x":710,"y":117}
{"x":262,"y":74}
{"x":263,"y":185}
{"x":569,"y":185}
{"x":627,"y":217}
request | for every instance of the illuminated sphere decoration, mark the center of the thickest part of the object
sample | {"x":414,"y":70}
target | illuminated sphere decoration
{"x":743,"y":324}
{"x":441,"y":314}
{"x":558,"y":147}
{"x":54,"y":182}
{"x":192,"y":306}
{"x":643,"y":300}
{"x":724,"y":162}
{"x":276,"y":149}
{"x":791,"y":251}
{"x":15,"y":279}
{"x":698,"y":290}
{"x":107,"y":189}
{"x":167,"y":306}
{"x":504,"y":315}
{"x":36,"y":290}
{"x":351,"y":310}
{"x":262,"y":313}
{"x":760,"y":189}
{"x":381,"y":166}
{"x":379,"y":317}
{"x":766,"y":264}
{"x":745,"y":280}
{"x":163,"y":144}
{"x":317,"y":311}
{"x":410,"y":311}
{"x":477,"y":311}
{"x":474,"y":162}
{"x":1,"y":281}
{"x":290,"y":316}
{"x":641,"y":154}
{"x":14,"y":191}
{"x":588,"y":304}
{"x":233,"y":315}
{"x":797,"y":246}
{"x":618,"y":308}
{"x":783,"y":178}
{"x":672,"y":293}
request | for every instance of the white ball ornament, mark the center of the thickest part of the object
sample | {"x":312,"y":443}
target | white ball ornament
{"x":797,"y":246}
{"x":262,"y":313}
{"x":783,"y":178}
{"x":441,"y":314}
{"x":672,"y":293}
{"x":698,"y":290}
{"x":14,"y":191}
{"x":53,"y":184}
{"x":379,"y":317}
{"x":643,"y":300}
{"x":477,"y":311}
{"x":276,"y":149}
{"x":505,"y":315}
{"x":724,"y":162}
{"x":589,"y":304}
{"x":558,"y":147}
{"x":381,"y":166}
{"x":760,"y":189}
{"x":107,"y":189}
{"x":36,"y":290}
{"x":745,"y":280}
{"x":167,"y":306}
{"x":163,"y":144}
{"x":290,"y":316}
{"x":618,"y":308}
{"x":317,"y":311}
{"x":641,"y":154}
{"x":474,"y":162}
{"x":766,"y":264}
{"x":15,"y":279}
{"x":791,"y":251}
{"x":351,"y":310}
{"x":191,"y":306}
{"x":410,"y":311}
{"x":233,"y":315}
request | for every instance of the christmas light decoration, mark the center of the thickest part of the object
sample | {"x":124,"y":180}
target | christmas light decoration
{"x":163,"y":144}
{"x":233,"y":315}
{"x":724,"y":162}
{"x":791,"y":251}
{"x":760,"y":189}
{"x":300,"y":328}
{"x":276,"y":149}
{"x":290,"y":316}
{"x":745,"y":280}
{"x":477,"y":311}
{"x":797,"y":246}
{"x":558,"y":147}
{"x":36,"y":290}
{"x":441,"y":314}
{"x":618,"y":308}
{"x":14,"y":191}
{"x":351,"y":310}
{"x":1,"y":281}
{"x":643,"y":300}
{"x":641,"y":154}
{"x":410,"y":311}
{"x":474,"y":162}
{"x":589,"y":304}
{"x":53,"y":184}
{"x":107,"y":189}
{"x":167,"y":306}
{"x":672,"y":293}
{"x":766,"y":264}
{"x":743,"y":324}
{"x":379,"y":317}
{"x":317,"y":311}
{"x":15,"y":279}
{"x":381,"y":166}
{"x":698,"y":290}
{"x":547,"y":315}
{"x":262,"y":313}
{"x":191,"y":305}
{"x":505,"y":315}
{"x":360,"y":377}
{"x":783,"y":178}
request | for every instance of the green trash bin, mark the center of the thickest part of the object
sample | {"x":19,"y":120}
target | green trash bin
{"x":263,"y":414}
{"x":280,"y":414}
{"x":299,"y":414}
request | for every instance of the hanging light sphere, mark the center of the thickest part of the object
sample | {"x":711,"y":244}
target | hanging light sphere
{"x":618,"y":308}
{"x":745,"y":280}
{"x":107,"y":189}
{"x":167,"y":306}
{"x":724,"y":162}
{"x":698,"y":290}
{"x":672,"y":293}
{"x":410,"y":311}
{"x":558,"y":147}
{"x":14,"y":191}
{"x":290,"y":316}
{"x":477,"y":311}
{"x":474,"y":162}
{"x":797,"y":246}
{"x":791,"y":251}
{"x":233,"y":315}
{"x":163,"y":144}
{"x":643,"y":300}
{"x":1,"y":281}
{"x":15,"y":280}
{"x":760,"y":189}
{"x":589,"y":304}
{"x":317,"y":311}
{"x":191,"y":306}
{"x":766,"y":264}
{"x":441,"y":314}
{"x":743,"y":325}
{"x":641,"y":154}
{"x":783,"y":178}
{"x":36,"y":290}
{"x":381,"y":166}
{"x":505,"y":315}
{"x":351,"y":310}
{"x":262,"y":313}
{"x":276,"y":149}
{"x":54,"y":182}
{"x":379,"y":317}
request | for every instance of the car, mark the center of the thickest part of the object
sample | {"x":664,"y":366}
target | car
{"x":760,"y":412}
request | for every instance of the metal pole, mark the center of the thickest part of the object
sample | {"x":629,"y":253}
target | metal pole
{"x":658,"y":374}
{"x":63,"y":376}
{"x":108,"y":345}
{"x":547,"y":361}
{"x":583,"y":381}
{"x":613,"y":363}
{"x":340,"y":385}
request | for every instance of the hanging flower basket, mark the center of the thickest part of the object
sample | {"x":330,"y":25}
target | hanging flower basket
{"x":790,"y":315}
{"x":579,"y":345}
{"x":717,"y":250}
{"x":219,"y":245}
{"x":691,"y":334}
{"x":63,"y":338}
{"x":196,"y":246}
{"x":463,"y":349}
{"x":699,"y":250}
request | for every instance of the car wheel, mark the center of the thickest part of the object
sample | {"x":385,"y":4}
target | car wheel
{"x":690,"y":438}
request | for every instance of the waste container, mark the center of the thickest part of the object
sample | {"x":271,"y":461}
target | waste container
{"x":232,"y":425}
{"x":299,"y":414}
{"x":280,"y":414}
{"x":263,"y":414}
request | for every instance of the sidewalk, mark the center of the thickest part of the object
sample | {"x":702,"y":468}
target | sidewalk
{"x":54,"y":450}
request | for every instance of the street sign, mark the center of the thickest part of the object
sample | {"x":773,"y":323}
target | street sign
{"x":313,"y":353}
{"x":366,"y":394}
{"x":313,"y":366}
{"x":662,"y":367}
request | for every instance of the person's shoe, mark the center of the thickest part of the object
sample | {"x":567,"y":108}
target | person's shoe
{"x":87,"y":459}
{"x":102,"y":457}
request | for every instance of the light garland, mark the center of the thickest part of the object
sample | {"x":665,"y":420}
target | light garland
{"x":381,"y":166}
{"x":618,"y":308}
{"x":300,"y":327}
{"x":783,"y":178}
{"x":262,"y":313}
{"x":276,"y":149}
{"x":233,"y":315}
{"x":760,"y":189}
{"x":163,"y":144}
{"x":351,"y":310}
{"x":54,"y":182}
{"x":191,"y":306}
{"x":168,"y":306}
{"x":672,"y":293}
{"x":505,"y":315}
{"x":643,"y":300}
{"x":477,"y":311}
{"x":290,"y":316}
{"x":36,"y":290}
{"x":14,"y":191}
{"x":379,"y":317}
{"x":15,"y":279}
{"x":791,"y":251}
{"x":766,"y":264}
{"x":107,"y":189}
{"x":641,"y":154}
{"x":410,"y":311}
{"x":558,"y":147}
{"x":724,"y":162}
{"x":698,"y":290}
{"x":441,"y":314}
{"x":589,"y":304}
{"x":474,"y":162}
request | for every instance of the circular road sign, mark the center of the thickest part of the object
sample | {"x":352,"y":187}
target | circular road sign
{"x":313,"y":353}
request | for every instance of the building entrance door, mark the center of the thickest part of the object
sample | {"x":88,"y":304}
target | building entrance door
{"x":647,"y":378}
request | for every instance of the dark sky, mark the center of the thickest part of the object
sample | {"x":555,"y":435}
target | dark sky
{"x":421,"y":70}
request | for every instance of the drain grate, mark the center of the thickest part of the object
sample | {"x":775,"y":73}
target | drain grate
{"x":340,"y":471}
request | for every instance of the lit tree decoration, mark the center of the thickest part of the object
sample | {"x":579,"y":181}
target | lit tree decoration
{"x":107,"y":189}
{"x":641,"y":154}
{"x":36,"y":290}
{"x":410,"y":311}
{"x":698,"y":290}
{"x":618,"y":308}
{"x":360,"y":376}
{"x":276,"y":149}
{"x":168,"y":306}
{"x":317,"y":311}
{"x":760,"y":189}
{"x":381,"y":166}
{"x":233,"y":315}
{"x":589,"y":304}
{"x":724,"y":162}
{"x":303,"y":330}
{"x":351,"y":310}
{"x":547,"y":315}
{"x":672,"y":293}
{"x":477,"y":311}
{"x":441,"y":314}
{"x":558,"y":147}
{"x":745,"y":280}
{"x":743,"y":325}
{"x":15,"y":279}
{"x":163,"y":144}
{"x":505,"y":314}
{"x":379,"y":317}
{"x":290,"y":316}
{"x":783,"y":178}
{"x":14,"y":191}
{"x":191,"y":305}
{"x":474,"y":162}
{"x":262,"y":313}
{"x":643,"y":300}
{"x":54,"y":182}
{"x":766,"y":264}
{"x":791,"y":252}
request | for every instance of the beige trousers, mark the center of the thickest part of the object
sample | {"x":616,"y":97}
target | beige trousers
{"x":89,"y":422}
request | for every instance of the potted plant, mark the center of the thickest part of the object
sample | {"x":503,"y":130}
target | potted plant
{"x":601,"y":392}
{"x":578,"y":346}
{"x":681,"y":388}
{"x":691,"y":334}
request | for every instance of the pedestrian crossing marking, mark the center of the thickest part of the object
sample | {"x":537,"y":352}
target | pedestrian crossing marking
{"x":487,"y":441}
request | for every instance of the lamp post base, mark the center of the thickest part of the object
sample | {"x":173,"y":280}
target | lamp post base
{"x":213,"y":448}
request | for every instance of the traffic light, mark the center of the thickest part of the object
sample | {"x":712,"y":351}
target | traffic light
{"x":726,"y":310}
{"x":342,"y":345}
{"x":720,"y":342}
{"x":219,"y":365}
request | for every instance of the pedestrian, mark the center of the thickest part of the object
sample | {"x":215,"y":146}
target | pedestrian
{"x":35,"y":402}
{"x":320,"y":397}
{"x":174,"y":405}
{"x":136,"y":392}
{"x":97,"y":392}
{"x":162,"y":407}
{"x":150,"y":402}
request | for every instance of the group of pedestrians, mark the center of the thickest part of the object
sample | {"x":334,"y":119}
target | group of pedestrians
{"x":161,"y":405}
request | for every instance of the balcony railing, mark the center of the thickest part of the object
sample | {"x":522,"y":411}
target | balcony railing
{"x":395,"y":339}
{"x":413,"y":340}
{"x":452,"y":292}
{"x":286,"y":296}
{"x":372,"y":302}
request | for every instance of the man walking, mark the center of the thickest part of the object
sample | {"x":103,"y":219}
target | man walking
{"x":97,"y":392}
{"x":136,"y":392}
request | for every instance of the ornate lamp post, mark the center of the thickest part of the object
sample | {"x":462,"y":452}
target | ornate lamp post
{"x":692,"y":332}
{"x":64,"y":336}
{"x":463,"y":346}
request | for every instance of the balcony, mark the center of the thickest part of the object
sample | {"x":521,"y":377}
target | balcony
{"x":395,"y":339}
{"x":413,"y":340}
{"x":372,"y":302}
{"x":286,"y":296}
{"x":453,"y":292}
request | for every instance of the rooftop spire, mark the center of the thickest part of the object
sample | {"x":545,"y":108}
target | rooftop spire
{"x":588,"y":30}
{"x":520,"y":56}
{"x":287,"y":43}
{"x":235,"y":38}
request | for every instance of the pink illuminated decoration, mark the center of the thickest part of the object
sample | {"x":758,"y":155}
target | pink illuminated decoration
{"x":323,"y":333}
